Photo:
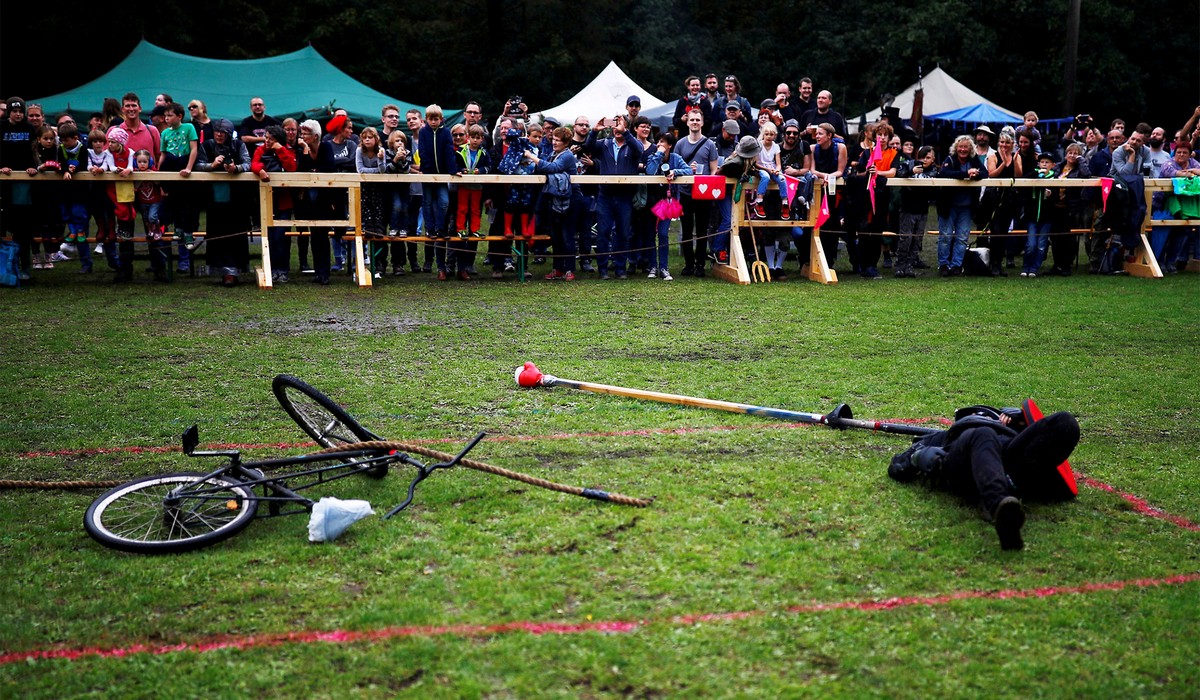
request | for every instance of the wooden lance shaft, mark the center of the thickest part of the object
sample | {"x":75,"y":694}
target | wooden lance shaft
{"x":841,"y":417}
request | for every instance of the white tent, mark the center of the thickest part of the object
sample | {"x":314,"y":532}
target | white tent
{"x":603,"y":97}
{"x":943,"y":94}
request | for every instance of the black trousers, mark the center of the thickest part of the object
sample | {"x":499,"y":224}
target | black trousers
{"x":981,"y":462}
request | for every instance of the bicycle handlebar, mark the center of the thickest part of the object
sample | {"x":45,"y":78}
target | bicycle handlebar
{"x":424,"y":471}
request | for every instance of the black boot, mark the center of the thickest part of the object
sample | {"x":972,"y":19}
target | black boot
{"x":1009,"y":518}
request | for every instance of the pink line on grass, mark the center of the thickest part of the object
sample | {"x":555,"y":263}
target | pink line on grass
{"x":600,"y":626}
{"x":1141,"y":506}
{"x":138,"y":449}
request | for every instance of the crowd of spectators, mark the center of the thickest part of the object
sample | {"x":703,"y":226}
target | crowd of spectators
{"x":611,"y":230}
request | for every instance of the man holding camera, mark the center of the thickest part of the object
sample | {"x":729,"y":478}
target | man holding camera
{"x":618,"y":154}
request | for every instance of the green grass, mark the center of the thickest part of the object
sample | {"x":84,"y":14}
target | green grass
{"x":761,"y":518}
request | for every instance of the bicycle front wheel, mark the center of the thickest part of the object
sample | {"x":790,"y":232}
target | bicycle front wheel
{"x":170,"y":513}
{"x":317,"y":414}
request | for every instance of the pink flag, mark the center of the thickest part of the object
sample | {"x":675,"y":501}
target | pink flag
{"x":1105,"y":188}
{"x":823,"y":215}
{"x":793,"y":184}
{"x":876,"y":159}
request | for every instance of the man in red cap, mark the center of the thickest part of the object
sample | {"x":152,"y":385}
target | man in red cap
{"x":995,"y":456}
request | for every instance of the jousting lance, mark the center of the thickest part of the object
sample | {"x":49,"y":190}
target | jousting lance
{"x":530,"y":376}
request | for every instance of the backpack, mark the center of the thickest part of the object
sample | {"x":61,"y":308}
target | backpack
{"x":9,"y":268}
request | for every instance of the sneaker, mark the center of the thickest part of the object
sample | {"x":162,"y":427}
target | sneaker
{"x":699,"y":271}
{"x":956,"y":271}
{"x":189,"y":241}
{"x":402,"y":233}
{"x":38,"y":265}
{"x":509,"y":267}
{"x":723,"y":257}
{"x":464,"y":275}
{"x":604,"y":274}
{"x":944,"y":270}
{"x":442,"y":276}
{"x":1009,"y":518}
{"x":397,"y":270}
{"x":653,"y":274}
{"x":887,"y":262}
{"x":391,"y":232}
{"x":283,"y":278}
{"x":779,"y":275}
{"x":871,"y":273}
{"x":622,"y":276}
{"x":554,"y":275}
{"x":336,"y":267}
{"x":587,"y":267}
{"x":1024,"y":274}
{"x":497,"y":275}
{"x":464,"y":234}
{"x":569,"y":277}
{"x":920,"y":265}
{"x":758,"y":211}
{"x":1033,"y":274}
{"x":478,"y":234}
{"x":539,"y":260}
{"x":666,"y":276}
{"x":378,"y":275}
{"x":58,"y":257}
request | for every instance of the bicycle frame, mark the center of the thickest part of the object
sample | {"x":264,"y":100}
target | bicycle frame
{"x":279,"y":492}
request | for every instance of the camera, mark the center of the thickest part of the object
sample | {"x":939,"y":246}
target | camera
{"x":515,"y":100}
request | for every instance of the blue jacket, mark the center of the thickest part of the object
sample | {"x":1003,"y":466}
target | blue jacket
{"x":623,"y":162}
{"x":952,"y":167}
{"x":564,"y":163}
{"x":437,"y":151}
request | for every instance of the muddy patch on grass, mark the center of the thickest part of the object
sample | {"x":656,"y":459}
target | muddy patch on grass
{"x":357,"y":322}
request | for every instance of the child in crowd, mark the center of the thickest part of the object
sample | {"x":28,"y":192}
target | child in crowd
{"x":472,"y":160}
{"x":675,"y":167}
{"x":1038,"y":210}
{"x":122,"y":196}
{"x":437,"y":158}
{"x":179,"y":148}
{"x":914,"y":210}
{"x":397,"y":152}
{"x":769,"y":167}
{"x":149,"y":198}
{"x":1031,"y":122}
{"x":73,"y":158}
{"x":371,"y":157}
{"x":46,"y":198}
{"x":398,"y":155}
{"x":273,"y":156}
{"x":100,"y":207}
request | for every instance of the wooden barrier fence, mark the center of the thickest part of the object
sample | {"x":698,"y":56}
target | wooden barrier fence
{"x":1143,"y":265}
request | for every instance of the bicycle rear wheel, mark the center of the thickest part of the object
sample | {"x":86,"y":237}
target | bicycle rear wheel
{"x":170,"y":513}
{"x":317,"y":414}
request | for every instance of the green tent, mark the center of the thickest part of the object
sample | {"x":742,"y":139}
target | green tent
{"x":298,"y":84}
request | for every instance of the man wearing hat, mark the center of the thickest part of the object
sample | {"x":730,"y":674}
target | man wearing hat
{"x":721,"y":217}
{"x":983,"y":142}
{"x":734,"y":113}
{"x":16,"y":153}
{"x":633,"y":107}
{"x":997,"y":456}
{"x":770,"y":108}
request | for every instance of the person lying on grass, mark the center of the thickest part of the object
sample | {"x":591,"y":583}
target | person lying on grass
{"x":996,"y":457}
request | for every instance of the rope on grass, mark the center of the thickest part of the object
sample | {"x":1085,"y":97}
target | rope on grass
{"x":492,"y":469}
{"x":47,"y":485}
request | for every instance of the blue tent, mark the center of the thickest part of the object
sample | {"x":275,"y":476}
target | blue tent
{"x":978,"y":114}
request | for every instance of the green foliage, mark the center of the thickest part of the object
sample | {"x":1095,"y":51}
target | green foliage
{"x":1137,"y":63}
{"x":751,"y":516}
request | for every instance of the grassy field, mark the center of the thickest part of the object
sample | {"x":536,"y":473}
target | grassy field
{"x":777,"y":561}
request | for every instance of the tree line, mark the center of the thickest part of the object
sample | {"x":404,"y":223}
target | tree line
{"x":1137,"y":63}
